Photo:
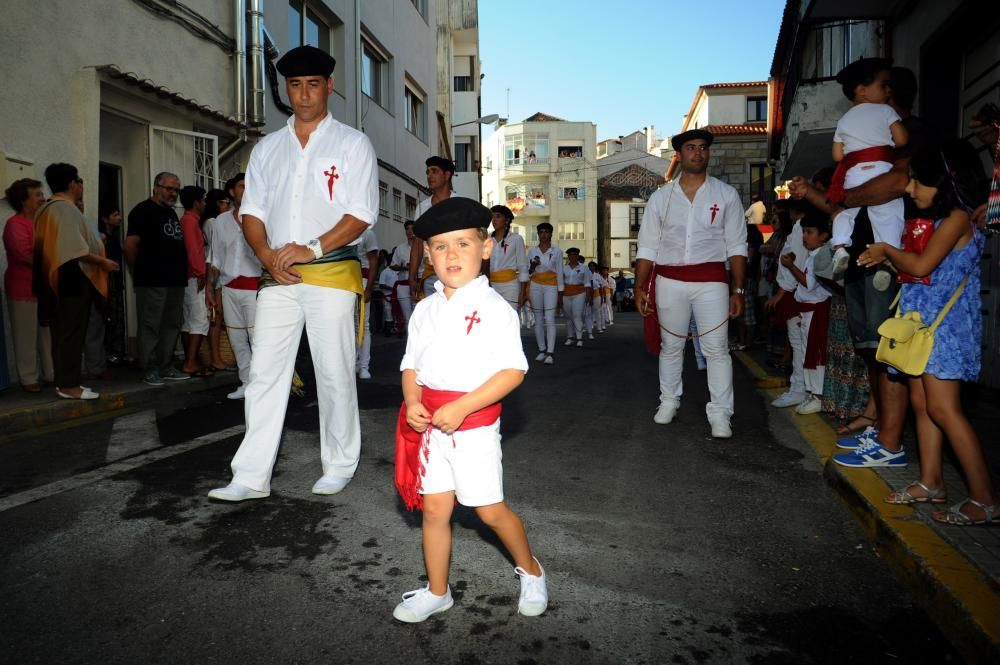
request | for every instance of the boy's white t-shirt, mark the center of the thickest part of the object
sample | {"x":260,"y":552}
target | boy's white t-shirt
{"x":866,"y":126}
{"x":459,"y":343}
{"x":387,"y":279}
{"x":819,"y":263}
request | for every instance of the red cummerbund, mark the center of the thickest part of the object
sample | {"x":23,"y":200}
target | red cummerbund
{"x":714,"y":271}
{"x":244,"y":283}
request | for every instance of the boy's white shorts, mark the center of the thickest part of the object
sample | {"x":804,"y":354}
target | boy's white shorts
{"x":468,"y":463}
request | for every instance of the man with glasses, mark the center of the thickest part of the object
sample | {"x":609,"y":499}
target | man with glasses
{"x":154,"y":249}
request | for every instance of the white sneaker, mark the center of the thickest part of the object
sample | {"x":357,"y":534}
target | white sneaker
{"x":234,"y":492}
{"x":548,"y":359}
{"x":239,"y":393}
{"x":534,"y":596}
{"x":419,"y":604}
{"x":590,"y":336}
{"x":789,"y":399}
{"x":569,"y":341}
{"x":364,"y":374}
{"x":721,"y":429}
{"x":665,"y":413}
{"x":840,"y":261}
{"x":330,"y":485}
{"x":812,"y":404}
{"x":540,"y":357}
{"x":579,"y":342}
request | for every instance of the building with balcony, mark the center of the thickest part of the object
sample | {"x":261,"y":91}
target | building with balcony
{"x":543,"y":170}
{"x":736,"y":114}
{"x":621,"y":203}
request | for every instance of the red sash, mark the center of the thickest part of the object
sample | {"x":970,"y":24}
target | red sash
{"x":412,"y":450}
{"x":244,"y":283}
{"x":818,"y":328}
{"x":713,"y":271}
{"x":881,"y":153}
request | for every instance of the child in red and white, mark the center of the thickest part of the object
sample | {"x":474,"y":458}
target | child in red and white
{"x":864,"y":146}
{"x":463,"y":356}
{"x":812,"y":303}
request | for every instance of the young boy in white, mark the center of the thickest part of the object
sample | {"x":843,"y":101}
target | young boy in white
{"x":463,"y":356}
{"x":864,"y":146}
{"x":576,"y":281}
{"x":368,"y":253}
{"x":812,"y":301}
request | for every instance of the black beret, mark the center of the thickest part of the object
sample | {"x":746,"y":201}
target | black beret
{"x":503,"y":210}
{"x":306,"y":61}
{"x":441,"y":163}
{"x":677,"y":140}
{"x":452,"y":214}
{"x":573,"y":250}
{"x":544,"y":226}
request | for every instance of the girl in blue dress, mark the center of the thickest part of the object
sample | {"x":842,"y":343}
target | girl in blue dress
{"x":945,"y":185}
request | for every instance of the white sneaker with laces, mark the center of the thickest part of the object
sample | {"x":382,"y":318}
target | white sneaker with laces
{"x":665,"y":413}
{"x":569,"y":341}
{"x":548,"y":359}
{"x":721,"y":428}
{"x":579,"y":342}
{"x":239,"y":393}
{"x":364,"y":374}
{"x":234,"y":492}
{"x":812,"y":404}
{"x":534,"y":594}
{"x":789,"y":399}
{"x":418,"y":605}
{"x":540,"y":357}
{"x":330,"y":485}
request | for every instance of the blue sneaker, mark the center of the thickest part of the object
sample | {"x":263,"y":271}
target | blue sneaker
{"x":872,"y":453}
{"x":856,"y":441}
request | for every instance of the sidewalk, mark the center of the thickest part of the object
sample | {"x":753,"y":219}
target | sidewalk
{"x":954,"y":572}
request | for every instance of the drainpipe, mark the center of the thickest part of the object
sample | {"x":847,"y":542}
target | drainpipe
{"x":239,"y":78}
{"x":357,"y":65}
{"x":255,"y":49}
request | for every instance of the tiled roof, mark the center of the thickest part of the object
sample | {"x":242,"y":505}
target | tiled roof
{"x":543,"y":117}
{"x":746,"y":84}
{"x":732,"y":130}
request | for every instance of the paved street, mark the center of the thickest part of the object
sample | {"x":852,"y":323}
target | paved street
{"x":661,"y":544}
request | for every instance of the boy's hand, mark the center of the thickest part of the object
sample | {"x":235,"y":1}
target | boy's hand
{"x":772,"y":302}
{"x":788,"y":260}
{"x":449,"y":417}
{"x":417,"y":416}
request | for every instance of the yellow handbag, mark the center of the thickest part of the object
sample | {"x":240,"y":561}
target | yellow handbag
{"x":907,"y":342}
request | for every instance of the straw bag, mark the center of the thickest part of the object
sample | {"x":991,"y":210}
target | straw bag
{"x":907,"y":342}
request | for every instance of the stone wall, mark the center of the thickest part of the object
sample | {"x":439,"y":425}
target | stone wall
{"x":731,"y":159}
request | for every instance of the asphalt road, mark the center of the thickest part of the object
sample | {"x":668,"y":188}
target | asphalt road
{"x":661,"y":544}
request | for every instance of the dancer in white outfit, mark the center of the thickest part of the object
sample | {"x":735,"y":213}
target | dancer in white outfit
{"x":508,"y":264}
{"x":368,"y":253}
{"x":311,"y":191}
{"x":421,"y":275}
{"x":598,"y":298}
{"x":691,"y":227}
{"x":545,"y":268}
{"x":576,"y":285}
{"x":400,"y":262}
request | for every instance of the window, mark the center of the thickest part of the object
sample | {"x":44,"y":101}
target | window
{"x":571,"y":231}
{"x":519,"y":197}
{"x":463,"y":157}
{"x":464,"y":68}
{"x":383,"y":198}
{"x":830,"y":47}
{"x":305,"y":27}
{"x":374,"y":73}
{"x":762,"y":181}
{"x":463,"y":84}
{"x":411,"y":208}
{"x":635,"y":214}
{"x":419,"y":6}
{"x":397,"y":205}
{"x":756,"y":109}
{"x":572,"y":193}
{"x":526,"y":149}
{"x":413,"y":111}
{"x":571,"y":152}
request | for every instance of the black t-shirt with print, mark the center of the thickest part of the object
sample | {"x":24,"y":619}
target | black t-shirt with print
{"x":162,"y":258}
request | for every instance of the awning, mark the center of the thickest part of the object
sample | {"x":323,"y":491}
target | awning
{"x":821,"y":11}
{"x":811,"y":152}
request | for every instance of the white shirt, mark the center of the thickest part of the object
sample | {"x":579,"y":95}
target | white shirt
{"x":509,"y":254}
{"x":459,"y":343}
{"x":675,"y":231}
{"x":579,"y":274}
{"x":866,"y":126}
{"x":551,"y":260}
{"x":301,"y":193}
{"x":597,"y":283}
{"x":611,"y":283}
{"x":367,"y":243}
{"x":755,"y":213}
{"x":819,"y":263}
{"x":231,"y":253}
{"x":425,"y":205}
{"x":401,"y":257}
{"x":793,"y":243}
{"x":387,"y":278}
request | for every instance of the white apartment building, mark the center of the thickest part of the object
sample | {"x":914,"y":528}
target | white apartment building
{"x":543,"y":170}
{"x":124,"y":89}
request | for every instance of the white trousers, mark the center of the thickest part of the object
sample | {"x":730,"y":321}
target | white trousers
{"x":887,"y":219}
{"x":573,"y":310}
{"x":328,"y":316}
{"x":405,"y":306}
{"x":811,"y":380}
{"x":797,"y":383}
{"x":543,"y":303}
{"x":508,"y":291}
{"x":365,"y":348}
{"x":676,"y":301}
{"x":600,"y":313}
{"x":239,"y":307}
{"x":609,"y":309}
{"x":588,"y":317}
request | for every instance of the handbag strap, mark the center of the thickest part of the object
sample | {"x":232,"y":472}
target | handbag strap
{"x":948,"y":305}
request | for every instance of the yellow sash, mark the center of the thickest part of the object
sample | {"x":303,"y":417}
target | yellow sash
{"x":573,"y":290}
{"x":344,"y":275}
{"x":546,"y":278}
{"x":607,"y":290}
{"x":503,"y":276}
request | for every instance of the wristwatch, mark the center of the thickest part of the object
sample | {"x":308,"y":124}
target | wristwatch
{"x":739,"y":291}
{"x":316,"y":247}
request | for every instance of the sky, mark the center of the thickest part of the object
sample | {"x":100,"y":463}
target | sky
{"x":622,"y":64}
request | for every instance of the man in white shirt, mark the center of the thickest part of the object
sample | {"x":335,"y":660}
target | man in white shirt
{"x":368,"y":253}
{"x":311,"y":191}
{"x":755,"y":213}
{"x":439,"y":172}
{"x":691,"y":228}
{"x":400,"y":262}
{"x":238,"y":272}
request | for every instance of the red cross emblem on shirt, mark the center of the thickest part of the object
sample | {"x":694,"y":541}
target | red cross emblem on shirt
{"x":331,"y":175}
{"x":473,"y":320}
{"x":714,"y":209}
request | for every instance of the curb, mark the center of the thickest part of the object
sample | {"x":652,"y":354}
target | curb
{"x":36,"y":416}
{"x":953,"y":591}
